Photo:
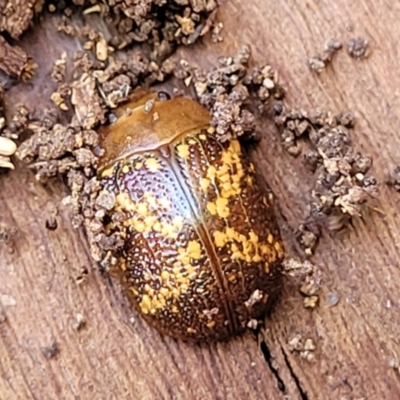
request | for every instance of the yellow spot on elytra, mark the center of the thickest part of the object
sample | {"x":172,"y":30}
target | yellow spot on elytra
{"x":235,"y":147}
{"x":184,"y":287}
{"x":194,"y":249}
{"x":226,"y":157}
{"x":246,"y":248}
{"x":231,"y":233}
{"x":211,"y":172}
{"x":212,"y":208}
{"x":191,"y":330}
{"x":183,"y":257}
{"x":107,"y":172}
{"x":152,"y":164}
{"x":148,"y":289}
{"x":151,"y":200}
{"x":253,"y":237}
{"x":203,"y":136}
{"x":223,"y":172}
{"x":256,"y":258}
{"x":126,"y":169}
{"x":142,"y":209}
{"x":164,"y":291}
{"x":183,"y":151}
{"x":236,"y":254}
{"x":210,"y":324}
{"x":145,"y":304}
{"x":231,"y":278}
{"x":138,"y":165}
{"x":139,"y":226}
{"x":265,"y":249}
{"x":177,"y":270}
{"x":124,"y":200}
{"x":204,"y":183}
{"x":150,"y":222}
{"x":181,"y":278}
{"x":157,"y":226}
{"x":161,"y":301}
{"x":236,"y":178}
{"x":270,"y":239}
{"x":164,"y":275}
{"x":220,"y":238}
{"x":190,"y":270}
{"x":169,"y":231}
{"x":222,"y":207}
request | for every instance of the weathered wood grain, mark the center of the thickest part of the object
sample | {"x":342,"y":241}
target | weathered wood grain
{"x":117,"y":356}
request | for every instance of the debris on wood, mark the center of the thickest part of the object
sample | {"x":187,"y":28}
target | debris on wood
{"x":308,"y":278}
{"x":15,"y":62}
{"x":304,"y":347}
{"x":358,"y":47}
{"x":320,"y":61}
{"x":393,"y":179}
{"x":16,"y":15}
{"x":51,"y":351}
{"x":79,"y":322}
{"x":227,"y":89}
{"x":343,"y":183}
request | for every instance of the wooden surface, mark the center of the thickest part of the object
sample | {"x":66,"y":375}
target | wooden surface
{"x":117,"y":356}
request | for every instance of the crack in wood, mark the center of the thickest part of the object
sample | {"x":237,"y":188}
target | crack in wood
{"x":268,"y":359}
{"x":296,"y":379}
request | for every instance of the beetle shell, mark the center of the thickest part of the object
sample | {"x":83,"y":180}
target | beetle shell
{"x":201,"y":251}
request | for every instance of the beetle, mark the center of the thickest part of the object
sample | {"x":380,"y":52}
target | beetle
{"x":201,"y":252}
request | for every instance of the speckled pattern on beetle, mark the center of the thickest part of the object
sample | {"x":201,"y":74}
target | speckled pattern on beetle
{"x":202,"y":253}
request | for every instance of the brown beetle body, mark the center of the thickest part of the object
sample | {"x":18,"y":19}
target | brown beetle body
{"x":201,"y":251}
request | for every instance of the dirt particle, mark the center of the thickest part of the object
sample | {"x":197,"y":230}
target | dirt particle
{"x":342,"y":180}
{"x":319,"y":62}
{"x":15,"y":62}
{"x":358,"y":47}
{"x":304,"y":347}
{"x":309,"y":344}
{"x":311,"y":302}
{"x":226,"y":90}
{"x":79,"y":322}
{"x":16,"y":15}
{"x":51,"y":351}
{"x":393,"y":179}
{"x":82,"y":275}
